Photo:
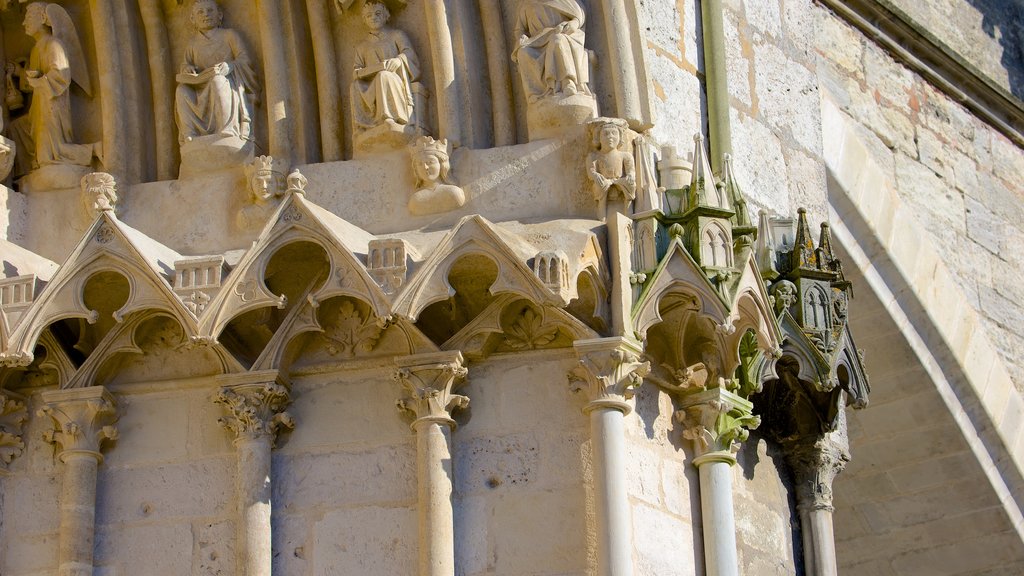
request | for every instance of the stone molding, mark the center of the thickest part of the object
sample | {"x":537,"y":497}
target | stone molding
{"x":609,"y":370}
{"x":255,"y":403}
{"x":428,"y":383}
{"x":926,"y":55}
{"x":83,"y":420}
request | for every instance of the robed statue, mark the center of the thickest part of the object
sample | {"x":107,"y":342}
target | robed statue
{"x":44,"y":136}
{"x":385,"y":69}
{"x":551,"y":57}
{"x":217,"y":86}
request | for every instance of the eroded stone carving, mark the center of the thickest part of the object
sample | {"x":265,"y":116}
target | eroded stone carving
{"x":435,"y":191}
{"x":609,"y":370}
{"x":217,"y":89}
{"x":384,"y":90}
{"x":610,"y":165}
{"x":99,"y":192}
{"x":13,"y":416}
{"x":553,"y":64}
{"x":45,"y":136}
{"x":83,"y":419}
{"x":255,"y":409}
{"x":428,"y":382}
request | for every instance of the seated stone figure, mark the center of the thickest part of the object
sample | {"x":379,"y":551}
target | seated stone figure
{"x":554,"y":65}
{"x":386,"y":70}
{"x":216,"y":85}
{"x":551,"y":57}
{"x":44,"y":135}
{"x":434,"y":190}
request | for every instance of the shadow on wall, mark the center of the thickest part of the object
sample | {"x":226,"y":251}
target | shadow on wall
{"x":1003,"y":20}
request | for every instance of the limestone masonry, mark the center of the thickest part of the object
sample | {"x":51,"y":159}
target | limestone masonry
{"x":511,"y":287}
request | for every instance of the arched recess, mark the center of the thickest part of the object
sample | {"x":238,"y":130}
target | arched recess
{"x":924,"y":344}
{"x":110,"y":249}
{"x":473,"y":236}
{"x":296,"y":221}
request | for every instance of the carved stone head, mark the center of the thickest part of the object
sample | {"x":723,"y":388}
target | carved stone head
{"x":35,"y":18}
{"x":206,"y":15}
{"x":607,"y":134}
{"x":375,"y":15}
{"x":430,"y":162}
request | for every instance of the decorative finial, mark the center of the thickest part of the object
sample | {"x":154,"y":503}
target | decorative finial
{"x":99,"y":191}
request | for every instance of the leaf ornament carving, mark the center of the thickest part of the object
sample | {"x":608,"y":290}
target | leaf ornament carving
{"x":528,"y":332}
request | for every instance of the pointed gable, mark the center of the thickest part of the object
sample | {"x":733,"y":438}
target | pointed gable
{"x":475,"y":235}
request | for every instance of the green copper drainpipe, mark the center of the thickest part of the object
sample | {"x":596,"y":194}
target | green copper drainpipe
{"x":717,"y":83}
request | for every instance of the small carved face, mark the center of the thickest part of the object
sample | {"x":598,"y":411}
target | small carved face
{"x":35,"y":18}
{"x":609,"y":137}
{"x":428,"y":168}
{"x":206,"y":15}
{"x":375,"y":15}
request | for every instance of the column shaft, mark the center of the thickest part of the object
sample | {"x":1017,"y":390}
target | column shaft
{"x":159,"y":53}
{"x":254,"y":497}
{"x":622,"y":64}
{"x":719,"y":520}
{"x":498,"y":72}
{"x":111,"y":91}
{"x":436,"y":521}
{"x":819,"y":543}
{"x":328,"y":89}
{"x":608,"y":434}
{"x":77,"y":513}
{"x":448,"y":116}
{"x":276,"y":75}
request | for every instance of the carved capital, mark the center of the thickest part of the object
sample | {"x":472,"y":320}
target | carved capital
{"x":255,"y":403}
{"x":13,"y":416}
{"x":83,"y":420}
{"x":609,"y":370}
{"x":815,"y":466}
{"x":717,"y":421}
{"x":428,"y":382}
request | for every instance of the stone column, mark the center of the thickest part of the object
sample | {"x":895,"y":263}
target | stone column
{"x":716,"y":420}
{"x":255,"y":404}
{"x":328,"y":86}
{"x":608,"y":371}
{"x":623,"y":65}
{"x":504,"y":121}
{"x":815,"y":466}
{"x":83,"y":420}
{"x":276,"y":79}
{"x":443,"y":58}
{"x":428,"y":381}
{"x":719,"y":124}
{"x":112,"y":101}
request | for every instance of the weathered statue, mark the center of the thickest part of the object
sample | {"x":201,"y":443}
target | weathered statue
{"x":217,"y":85}
{"x":435,"y":191}
{"x":385,"y":69}
{"x":44,"y":135}
{"x":610,"y":164}
{"x":551,"y":57}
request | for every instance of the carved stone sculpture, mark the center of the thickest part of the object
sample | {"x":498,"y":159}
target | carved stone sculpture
{"x":553,"y":64}
{"x":610,"y":164}
{"x":99,"y":192}
{"x":217,"y":89}
{"x":435,"y":191}
{"x":385,"y":86}
{"x":45,"y":135}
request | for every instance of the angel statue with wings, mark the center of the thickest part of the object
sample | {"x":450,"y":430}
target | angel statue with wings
{"x":44,"y":135}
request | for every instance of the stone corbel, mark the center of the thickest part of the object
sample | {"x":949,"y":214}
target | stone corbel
{"x":13,"y":416}
{"x":609,"y":370}
{"x":83,"y":420}
{"x":816,"y":465}
{"x":255,"y":405}
{"x":717,"y":421}
{"x":428,"y":382}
